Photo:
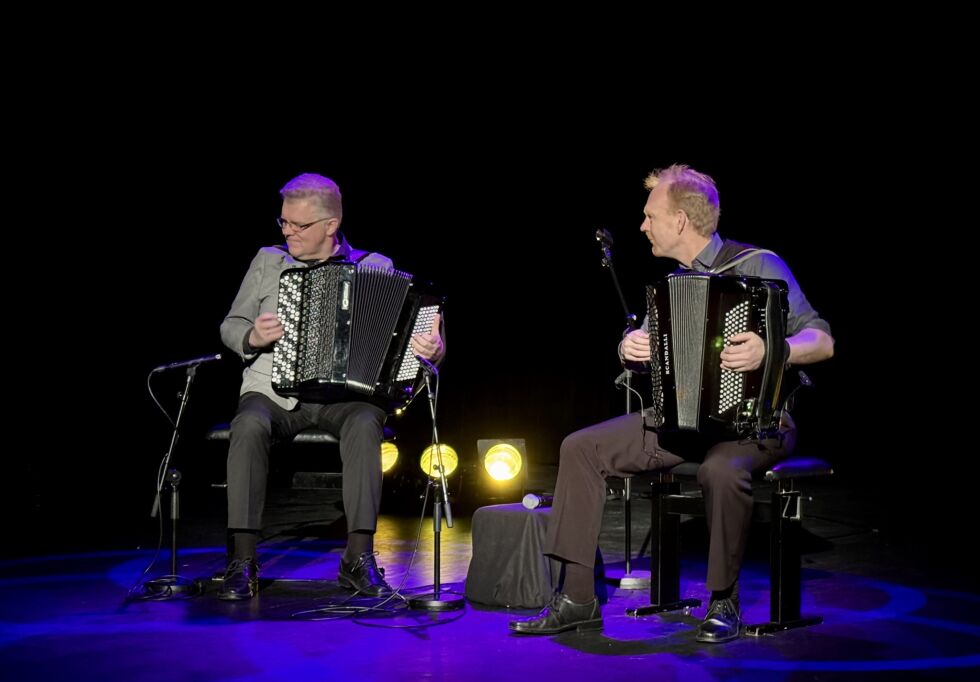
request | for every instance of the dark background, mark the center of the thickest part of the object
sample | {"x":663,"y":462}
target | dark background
{"x":146,"y":232}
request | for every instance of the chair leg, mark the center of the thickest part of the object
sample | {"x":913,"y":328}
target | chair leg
{"x":628,"y":519}
{"x":784,"y":566}
{"x":665,"y":556}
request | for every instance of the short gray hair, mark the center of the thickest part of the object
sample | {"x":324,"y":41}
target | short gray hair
{"x":310,"y":185}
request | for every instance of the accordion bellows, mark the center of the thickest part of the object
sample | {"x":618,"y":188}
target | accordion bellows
{"x":346,"y":334}
{"x":690,"y":317}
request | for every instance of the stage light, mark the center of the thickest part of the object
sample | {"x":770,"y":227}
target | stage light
{"x":430,"y":462}
{"x":389,"y":455}
{"x":503,"y":467}
{"x":503,"y":462}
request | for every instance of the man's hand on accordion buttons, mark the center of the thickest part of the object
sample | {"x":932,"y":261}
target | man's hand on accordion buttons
{"x":743,"y":352}
{"x":267,"y":330}
{"x":636,"y":346}
{"x":430,"y":346}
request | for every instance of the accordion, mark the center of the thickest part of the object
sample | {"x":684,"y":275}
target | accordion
{"x":690,"y":317}
{"x":346,"y":334}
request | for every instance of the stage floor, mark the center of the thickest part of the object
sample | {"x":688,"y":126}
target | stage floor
{"x":887,"y":615}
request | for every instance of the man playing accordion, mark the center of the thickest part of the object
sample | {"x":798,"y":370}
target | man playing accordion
{"x":680,"y":220}
{"x":310,"y":221}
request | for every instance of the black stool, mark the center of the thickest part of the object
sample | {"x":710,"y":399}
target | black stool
{"x":784,"y":512}
{"x":222,"y":432}
{"x":508,"y":566}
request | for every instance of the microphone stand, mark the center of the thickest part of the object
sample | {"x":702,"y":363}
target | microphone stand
{"x":630,"y":580}
{"x":436,"y":600}
{"x":172,"y":585}
{"x":604,"y":237}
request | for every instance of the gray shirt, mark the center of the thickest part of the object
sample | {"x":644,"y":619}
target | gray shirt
{"x":770,"y":266}
{"x":259,"y":293}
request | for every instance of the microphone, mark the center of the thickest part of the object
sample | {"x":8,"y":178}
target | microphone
{"x":604,"y":237}
{"x":188,"y":363}
{"x":427,"y":366}
{"x":538,"y":500}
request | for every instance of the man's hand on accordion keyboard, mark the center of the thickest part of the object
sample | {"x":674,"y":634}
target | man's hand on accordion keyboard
{"x":743,"y":352}
{"x":266,"y":331}
{"x":430,"y":346}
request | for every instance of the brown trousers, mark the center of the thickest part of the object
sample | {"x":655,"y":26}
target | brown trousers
{"x":625,"y":446}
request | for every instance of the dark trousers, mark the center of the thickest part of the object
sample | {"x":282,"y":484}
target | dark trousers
{"x":358,"y":426}
{"x":624,"y":446}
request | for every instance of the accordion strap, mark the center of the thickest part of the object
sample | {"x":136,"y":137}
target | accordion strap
{"x":357,"y":255}
{"x":743,"y":255}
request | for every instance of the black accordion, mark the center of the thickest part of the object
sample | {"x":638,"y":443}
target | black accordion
{"x":347,"y":329}
{"x":690,"y":317}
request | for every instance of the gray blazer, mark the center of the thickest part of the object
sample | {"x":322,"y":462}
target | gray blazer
{"x":259,"y":294}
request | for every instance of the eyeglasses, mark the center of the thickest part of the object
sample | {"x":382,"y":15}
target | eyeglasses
{"x":283,"y":224}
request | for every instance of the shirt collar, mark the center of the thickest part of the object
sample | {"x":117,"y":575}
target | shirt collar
{"x":343,"y":248}
{"x":341,"y":254}
{"x":703,"y":261}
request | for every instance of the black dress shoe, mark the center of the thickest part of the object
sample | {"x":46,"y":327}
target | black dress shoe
{"x":241,"y":580}
{"x":721,"y":623}
{"x":559,"y":615}
{"x":363,"y":576}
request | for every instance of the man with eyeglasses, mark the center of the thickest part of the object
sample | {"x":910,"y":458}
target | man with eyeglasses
{"x":310,"y":220}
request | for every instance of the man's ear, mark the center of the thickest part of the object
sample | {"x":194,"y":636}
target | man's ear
{"x":682,"y":221}
{"x":332,"y":226}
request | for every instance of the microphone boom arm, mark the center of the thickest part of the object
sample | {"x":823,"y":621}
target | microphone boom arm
{"x":605,"y":242}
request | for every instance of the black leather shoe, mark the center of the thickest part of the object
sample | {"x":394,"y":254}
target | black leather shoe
{"x":721,"y":623}
{"x":241,"y":580}
{"x":363,"y":576}
{"x":559,"y":615}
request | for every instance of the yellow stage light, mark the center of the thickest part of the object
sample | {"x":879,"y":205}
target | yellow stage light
{"x":503,"y":462}
{"x":503,"y":466}
{"x":389,"y":455}
{"x":430,"y":462}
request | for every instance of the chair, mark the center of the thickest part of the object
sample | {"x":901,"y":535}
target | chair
{"x":301,"y":479}
{"x":784,"y":512}
{"x":223,"y":432}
